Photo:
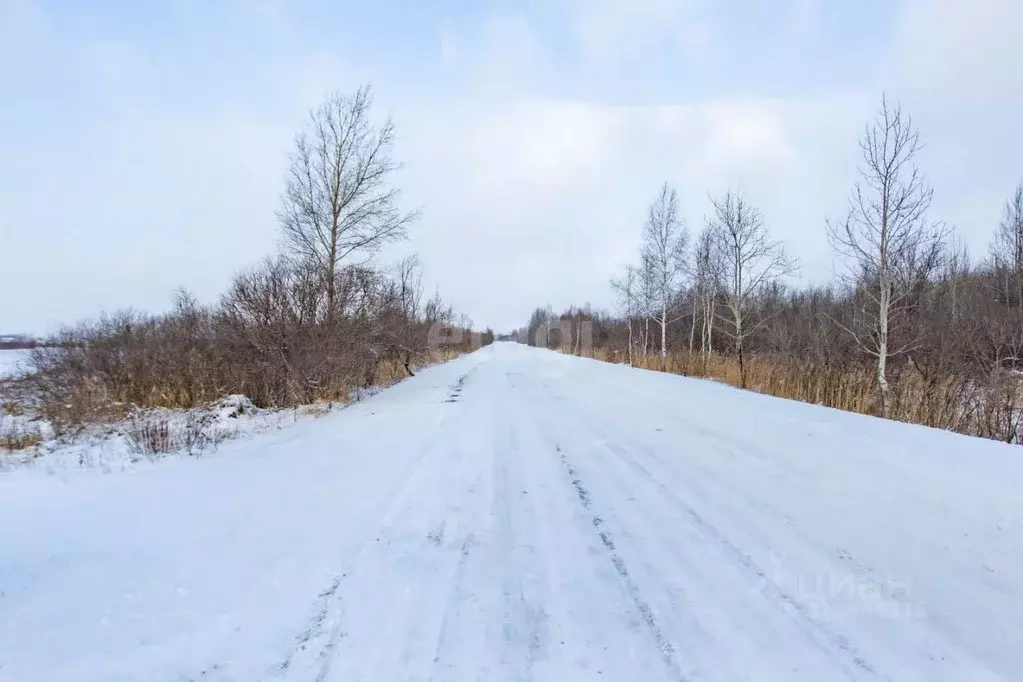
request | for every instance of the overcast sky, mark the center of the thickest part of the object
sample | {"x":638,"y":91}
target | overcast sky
{"x":143,"y":145}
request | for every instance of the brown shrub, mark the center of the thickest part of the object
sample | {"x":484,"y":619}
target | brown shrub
{"x":16,"y":435}
{"x":152,"y":435}
{"x":269,"y":339}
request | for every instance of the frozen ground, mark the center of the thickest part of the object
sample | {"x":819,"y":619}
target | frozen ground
{"x":12,"y":361}
{"x":522,"y":515}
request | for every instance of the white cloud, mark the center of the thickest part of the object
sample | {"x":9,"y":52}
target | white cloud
{"x":608,"y":29}
{"x":529,"y":201}
{"x":531,"y":191}
{"x":960,"y":50}
{"x":956,"y":68}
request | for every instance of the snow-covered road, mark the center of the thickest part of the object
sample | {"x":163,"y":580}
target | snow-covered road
{"x":523,"y":515}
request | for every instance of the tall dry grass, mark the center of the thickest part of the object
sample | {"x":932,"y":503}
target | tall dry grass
{"x":990,"y":407}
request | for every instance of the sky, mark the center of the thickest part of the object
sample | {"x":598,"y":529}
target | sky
{"x":144,"y":145}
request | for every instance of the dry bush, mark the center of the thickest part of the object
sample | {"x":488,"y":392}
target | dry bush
{"x":16,"y":435}
{"x":149,"y":436}
{"x":317,"y":410}
{"x":270,"y":338}
{"x":152,"y":435}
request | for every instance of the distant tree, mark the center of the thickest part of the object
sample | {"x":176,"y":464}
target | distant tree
{"x":1007,"y":248}
{"x":408,"y":299}
{"x":890,"y":247}
{"x":749,"y":260}
{"x":625,"y":288}
{"x":338,"y":200}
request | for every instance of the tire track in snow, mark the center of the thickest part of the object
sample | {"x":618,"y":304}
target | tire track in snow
{"x":330,"y":607}
{"x":833,"y":638}
{"x":316,"y":628}
{"x":457,"y":597}
{"x":524,"y":627}
{"x":664,"y":645}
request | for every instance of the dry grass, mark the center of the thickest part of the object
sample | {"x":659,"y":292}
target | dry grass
{"x":844,"y":390}
{"x":390,"y":370}
{"x":989,"y":409}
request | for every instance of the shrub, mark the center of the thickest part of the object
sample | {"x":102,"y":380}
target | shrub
{"x":16,"y":435}
{"x":152,"y":435}
{"x":149,"y":436}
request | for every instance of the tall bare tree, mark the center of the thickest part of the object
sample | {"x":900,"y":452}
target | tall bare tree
{"x":664,"y":251}
{"x":1007,"y":248}
{"x":890,"y":247}
{"x":749,"y":260}
{"x":338,"y":201}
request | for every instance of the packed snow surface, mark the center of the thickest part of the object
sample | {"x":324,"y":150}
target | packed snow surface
{"x":522,"y":515}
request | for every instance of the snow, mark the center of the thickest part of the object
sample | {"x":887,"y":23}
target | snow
{"x":108,"y":448}
{"x":12,"y":362}
{"x":519,"y":514}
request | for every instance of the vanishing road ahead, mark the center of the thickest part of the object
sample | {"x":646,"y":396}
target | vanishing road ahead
{"x":518,"y":514}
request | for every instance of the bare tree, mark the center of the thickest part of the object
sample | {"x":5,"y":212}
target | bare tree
{"x":707,"y":282}
{"x":750,"y":259}
{"x":626,"y":288}
{"x":338,"y":200}
{"x":408,"y":285}
{"x":1007,"y":248}
{"x":890,"y":246}
{"x":645,"y":299}
{"x":664,"y":252}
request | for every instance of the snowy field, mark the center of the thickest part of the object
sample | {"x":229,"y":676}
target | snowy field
{"x":12,"y":362}
{"x":522,"y":515}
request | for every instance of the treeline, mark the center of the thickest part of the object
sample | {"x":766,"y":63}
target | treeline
{"x":915,"y":329}
{"x":320,"y":319}
{"x":17,"y":342}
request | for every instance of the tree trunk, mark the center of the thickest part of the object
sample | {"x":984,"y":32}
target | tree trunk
{"x":884,"y":310}
{"x":630,"y":341}
{"x":332,"y":270}
{"x":692,"y":328}
{"x":738,"y":351}
{"x":664,"y":332}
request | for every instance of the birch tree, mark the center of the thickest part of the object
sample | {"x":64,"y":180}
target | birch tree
{"x":889,"y":247}
{"x":664,"y":252}
{"x":707,"y":281}
{"x":749,"y":260}
{"x":338,"y":202}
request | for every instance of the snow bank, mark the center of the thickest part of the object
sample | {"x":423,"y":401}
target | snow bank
{"x":121,"y":445}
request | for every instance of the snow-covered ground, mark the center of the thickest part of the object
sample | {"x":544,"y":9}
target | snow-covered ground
{"x":120,"y":445}
{"x":522,"y":515}
{"x":12,"y":362}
